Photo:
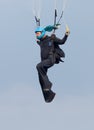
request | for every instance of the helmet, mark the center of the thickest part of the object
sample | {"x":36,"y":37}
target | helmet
{"x":40,"y":29}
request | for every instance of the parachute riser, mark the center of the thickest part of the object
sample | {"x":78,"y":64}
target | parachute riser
{"x":60,"y":17}
{"x":37,"y":21}
{"x":55,"y":16}
{"x":56,"y":24}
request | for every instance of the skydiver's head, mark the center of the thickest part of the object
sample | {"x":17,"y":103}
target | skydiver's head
{"x":40,"y":32}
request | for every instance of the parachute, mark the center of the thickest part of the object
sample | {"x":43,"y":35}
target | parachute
{"x":37,"y":11}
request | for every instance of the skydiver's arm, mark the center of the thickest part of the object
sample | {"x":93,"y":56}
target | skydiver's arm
{"x":58,"y":40}
{"x":63,"y":40}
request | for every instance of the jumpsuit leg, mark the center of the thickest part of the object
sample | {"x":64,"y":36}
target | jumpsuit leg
{"x":42,"y":68}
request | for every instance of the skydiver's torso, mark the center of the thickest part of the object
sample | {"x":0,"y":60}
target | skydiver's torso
{"x":47,"y":47}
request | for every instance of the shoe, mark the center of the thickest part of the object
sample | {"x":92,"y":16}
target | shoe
{"x":49,"y":96}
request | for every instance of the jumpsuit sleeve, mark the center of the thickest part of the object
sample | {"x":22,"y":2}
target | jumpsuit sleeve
{"x":58,"y":40}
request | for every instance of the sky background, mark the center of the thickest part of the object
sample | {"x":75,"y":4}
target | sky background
{"x":22,"y":106}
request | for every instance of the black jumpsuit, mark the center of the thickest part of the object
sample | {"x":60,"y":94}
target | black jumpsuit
{"x":48,"y":58}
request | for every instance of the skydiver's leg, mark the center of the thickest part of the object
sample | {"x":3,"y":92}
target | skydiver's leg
{"x":42,"y":68}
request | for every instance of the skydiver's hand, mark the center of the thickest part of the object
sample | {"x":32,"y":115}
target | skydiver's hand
{"x":67,"y":30}
{"x":37,"y":40}
{"x":56,"y":26}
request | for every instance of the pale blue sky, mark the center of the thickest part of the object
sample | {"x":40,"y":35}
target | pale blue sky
{"x":21,"y":102}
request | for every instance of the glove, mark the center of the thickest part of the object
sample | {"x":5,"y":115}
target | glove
{"x":56,"y":26}
{"x":67,"y":30}
{"x":38,"y":41}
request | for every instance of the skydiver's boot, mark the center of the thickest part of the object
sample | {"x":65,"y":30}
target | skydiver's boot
{"x":49,"y":95}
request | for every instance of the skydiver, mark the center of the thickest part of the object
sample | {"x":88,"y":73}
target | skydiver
{"x":51,"y":54}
